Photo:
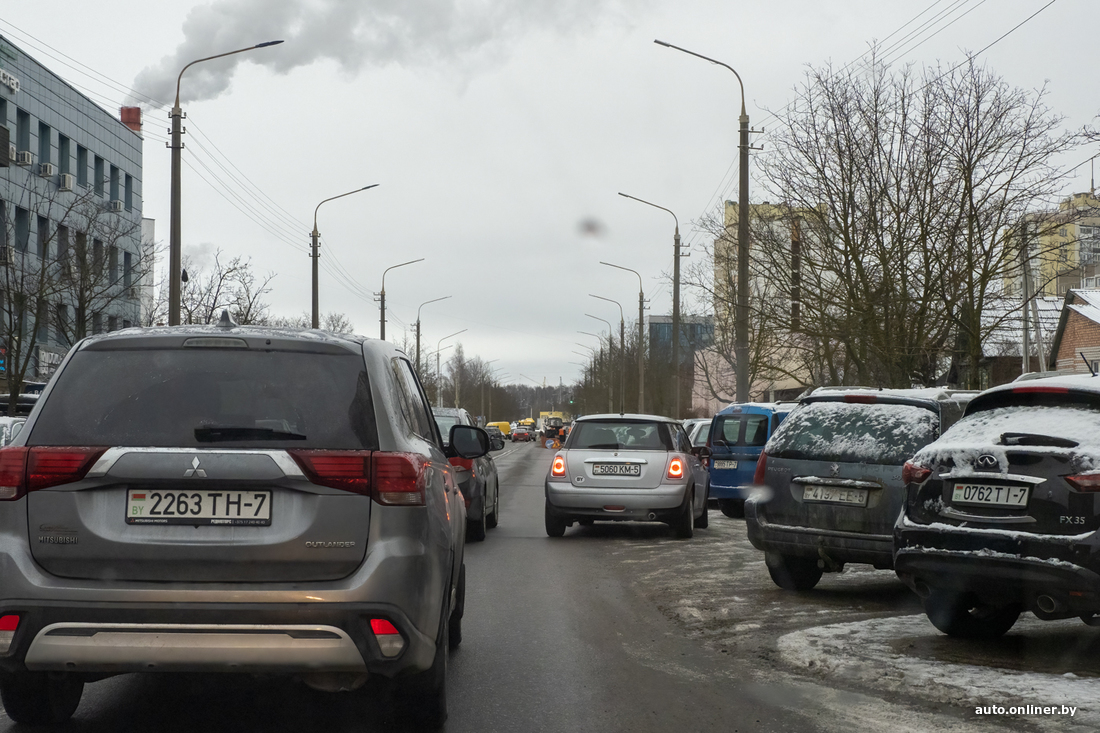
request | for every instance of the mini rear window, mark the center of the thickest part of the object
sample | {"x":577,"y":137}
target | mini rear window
{"x":854,"y":433}
{"x":620,"y":435}
{"x":210,"y":398}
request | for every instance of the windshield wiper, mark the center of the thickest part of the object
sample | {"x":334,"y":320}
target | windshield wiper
{"x":226,"y":434}
{"x":1036,"y":439}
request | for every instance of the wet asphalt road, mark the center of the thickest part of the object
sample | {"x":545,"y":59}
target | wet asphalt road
{"x":612,"y":628}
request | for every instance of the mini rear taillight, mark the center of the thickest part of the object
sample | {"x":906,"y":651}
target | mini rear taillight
{"x":390,"y":641}
{"x":399,"y":479}
{"x":761,"y":467}
{"x":558,"y":469}
{"x":8,"y":625}
{"x":13,"y":472}
{"x":1088,"y":482}
{"x":347,"y":470}
{"x":913,"y":473}
{"x":676,"y":468}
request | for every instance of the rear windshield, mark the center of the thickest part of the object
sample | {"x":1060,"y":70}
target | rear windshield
{"x":742,"y":430}
{"x":701,"y":435}
{"x":620,"y":435}
{"x":444,"y":422}
{"x":210,"y":398}
{"x":854,"y":433}
{"x":1034,"y":425}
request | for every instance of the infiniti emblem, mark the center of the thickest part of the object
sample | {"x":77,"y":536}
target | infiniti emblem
{"x":987,"y":462}
{"x":194,"y":470}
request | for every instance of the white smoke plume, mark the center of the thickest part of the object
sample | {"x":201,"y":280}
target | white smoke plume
{"x":353,"y":33}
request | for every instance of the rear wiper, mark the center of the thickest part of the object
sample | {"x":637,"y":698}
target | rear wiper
{"x":1036,"y":439}
{"x":225,"y":434}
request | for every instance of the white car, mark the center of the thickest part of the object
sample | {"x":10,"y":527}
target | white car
{"x":627,"y":467}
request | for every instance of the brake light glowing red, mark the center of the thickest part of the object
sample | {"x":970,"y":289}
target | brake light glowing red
{"x":676,"y":468}
{"x":13,"y":472}
{"x":1040,"y":389}
{"x":1089,"y":482}
{"x":558,"y":469}
{"x":347,"y":470}
{"x":8,"y":625}
{"x":382,"y":627}
{"x":913,"y":473}
{"x":761,"y":467}
{"x":390,"y":641}
{"x":400,"y":478}
{"x":861,"y":399}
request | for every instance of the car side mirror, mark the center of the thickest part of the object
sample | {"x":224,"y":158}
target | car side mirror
{"x":467,"y":441}
{"x":701,"y":452}
{"x":496,"y":442}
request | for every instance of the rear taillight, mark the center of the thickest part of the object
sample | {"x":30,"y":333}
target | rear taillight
{"x":8,"y":625}
{"x":558,"y":469}
{"x":390,"y":641}
{"x":28,"y":469}
{"x":13,"y":472}
{"x":400,"y":478}
{"x":1089,"y":482}
{"x":347,"y":470}
{"x":912,"y":473}
{"x":676,"y":468}
{"x":761,"y":467}
{"x":1035,"y":388}
{"x":462,"y":464}
{"x":861,"y":399}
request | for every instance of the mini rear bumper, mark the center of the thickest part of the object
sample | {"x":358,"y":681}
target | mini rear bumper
{"x":835,"y":545}
{"x":290,"y":639}
{"x":637,"y":504}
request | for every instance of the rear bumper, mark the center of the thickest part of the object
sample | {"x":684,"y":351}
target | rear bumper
{"x":720,"y":491}
{"x":836,"y":545}
{"x":665,"y":501}
{"x":117,"y":638}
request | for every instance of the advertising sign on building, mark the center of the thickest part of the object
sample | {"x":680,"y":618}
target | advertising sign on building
{"x":49,"y":358}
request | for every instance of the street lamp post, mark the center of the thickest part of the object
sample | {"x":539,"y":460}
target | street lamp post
{"x":439,"y":371}
{"x":315,"y":255}
{"x":426,"y":302}
{"x":622,"y":352}
{"x":675,"y":303}
{"x":596,"y":359}
{"x":641,"y":336}
{"x":382,"y":298}
{"x":175,"y":242}
{"x":610,"y":361}
{"x":741,"y":327}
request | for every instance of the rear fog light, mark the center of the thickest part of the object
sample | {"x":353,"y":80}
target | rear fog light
{"x":8,"y":625}
{"x":614,"y":508}
{"x":389,"y":638}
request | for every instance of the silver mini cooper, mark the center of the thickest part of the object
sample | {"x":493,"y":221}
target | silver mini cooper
{"x":627,"y":467}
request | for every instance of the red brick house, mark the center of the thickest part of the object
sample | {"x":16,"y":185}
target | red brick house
{"x":1078,"y":333}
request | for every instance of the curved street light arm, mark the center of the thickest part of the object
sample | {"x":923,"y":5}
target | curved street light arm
{"x":620,"y":267}
{"x":622,"y":317}
{"x":601,"y":319}
{"x":650,"y":203}
{"x":426,"y":302}
{"x":349,"y":193}
{"x":437,"y":343}
{"x":179,"y":78}
{"x":713,"y":61}
{"x":394,"y":267}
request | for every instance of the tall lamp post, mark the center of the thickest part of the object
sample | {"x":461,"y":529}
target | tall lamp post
{"x":610,"y":361}
{"x":426,"y":302}
{"x":622,"y":352}
{"x":315,"y":255}
{"x":596,"y":358}
{"x":438,"y":370}
{"x":382,"y":298}
{"x":641,"y":336}
{"x":175,"y":243}
{"x":741,"y":326}
{"x":675,"y":303}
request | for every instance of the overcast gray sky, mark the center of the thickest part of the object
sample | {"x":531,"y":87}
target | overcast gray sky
{"x":495,"y":128}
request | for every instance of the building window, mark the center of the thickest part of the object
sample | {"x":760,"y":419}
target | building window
{"x":4,"y":112}
{"x":62,"y":244}
{"x":126,"y":323}
{"x":1062,"y":232}
{"x":112,"y":323}
{"x":99,"y":176}
{"x":64,"y":327}
{"x":44,"y":143}
{"x":43,"y":237}
{"x":128,"y":192}
{"x":114,"y":183}
{"x":112,"y":265}
{"x":22,"y":228}
{"x":97,"y":257}
{"x":82,"y":165}
{"x":127,"y":263}
{"x":63,"y":154}
{"x":42,"y":321}
{"x":22,"y":130}
{"x":97,"y":323}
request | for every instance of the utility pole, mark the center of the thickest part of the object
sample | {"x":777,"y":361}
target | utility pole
{"x":426,"y":302}
{"x":1026,"y":283}
{"x":382,"y":296}
{"x":314,"y":237}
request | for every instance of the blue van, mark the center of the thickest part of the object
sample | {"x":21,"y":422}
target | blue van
{"x":737,"y":436}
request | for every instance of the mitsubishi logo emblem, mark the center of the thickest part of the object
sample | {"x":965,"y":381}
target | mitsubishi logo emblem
{"x":987,"y":462}
{"x":194,"y":470}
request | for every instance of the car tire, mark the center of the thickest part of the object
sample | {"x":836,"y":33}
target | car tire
{"x":683,"y":527}
{"x":733,"y":508}
{"x":962,"y":615}
{"x":555,"y":523}
{"x":493,"y":518}
{"x":34,"y":698}
{"x":454,"y":625}
{"x":790,"y":572}
{"x":420,"y":700}
{"x":703,"y":521}
{"x":476,"y":527}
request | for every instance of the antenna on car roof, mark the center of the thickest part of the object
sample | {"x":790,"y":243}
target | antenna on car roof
{"x":1088,"y":364}
{"x":226,"y":321}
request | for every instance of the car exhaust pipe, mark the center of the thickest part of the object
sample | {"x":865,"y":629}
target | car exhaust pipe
{"x":651,"y":516}
{"x":922,"y":589}
{"x":1049,"y":604}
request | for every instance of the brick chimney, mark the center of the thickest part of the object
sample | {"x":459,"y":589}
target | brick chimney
{"x":131,"y":117}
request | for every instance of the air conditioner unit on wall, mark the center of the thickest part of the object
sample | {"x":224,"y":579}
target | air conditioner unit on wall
{"x":114,"y":205}
{"x":24,"y":157}
{"x":67,"y":181}
{"x":47,"y":170}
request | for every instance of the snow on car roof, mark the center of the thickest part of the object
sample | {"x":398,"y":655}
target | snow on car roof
{"x":1076,"y":382}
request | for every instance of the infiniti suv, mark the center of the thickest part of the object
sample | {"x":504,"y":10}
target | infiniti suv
{"x":231,"y":499}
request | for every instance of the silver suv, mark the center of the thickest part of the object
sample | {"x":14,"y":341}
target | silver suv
{"x":230,"y":499}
